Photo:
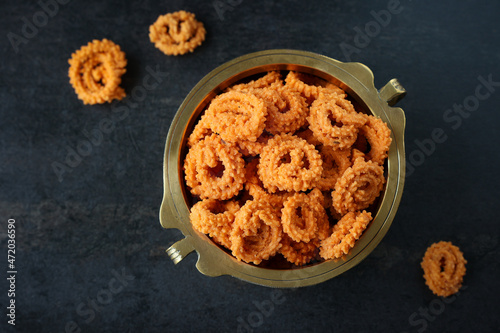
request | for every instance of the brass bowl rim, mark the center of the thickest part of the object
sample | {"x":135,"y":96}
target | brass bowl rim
{"x":358,"y":80}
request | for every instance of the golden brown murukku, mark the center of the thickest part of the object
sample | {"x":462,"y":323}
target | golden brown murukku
{"x":298,"y":253}
{"x":444,"y":268}
{"x":214,"y":169}
{"x":236,"y":115}
{"x":334,"y":121}
{"x":289,"y":163}
{"x":256,"y":233}
{"x":378,"y":136}
{"x":177,"y":33}
{"x":270,"y":80}
{"x":215,"y":219}
{"x":335,"y":163}
{"x":344,"y":235}
{"x":311,"y":86}
{"x":95,"y":72}
{"x":358,"y":187}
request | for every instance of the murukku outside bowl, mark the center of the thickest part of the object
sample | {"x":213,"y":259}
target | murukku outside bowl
{"x":358,"y":81}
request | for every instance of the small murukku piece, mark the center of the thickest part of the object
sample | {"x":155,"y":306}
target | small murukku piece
{"x":95,"y":72}
{"x":444,"y":268}
{"x":214,"y":169}
{"x":256,"y":233}
{"x":177,"y":33}
{"x":334,"y":122}
{"x":378,"y":136}
{"x":344,"y":235}
{"x":300,"y":217}
{"x":215,"y":218}
{"x":298,"y":253}
{"x":358,"y":187}
{"x":237,"y":115}
{"x":311,"y":86}
{"x":335,"y":163}
{"x":200,"y":131}
{"x":271,"y":79}
{"x":289,"y":163}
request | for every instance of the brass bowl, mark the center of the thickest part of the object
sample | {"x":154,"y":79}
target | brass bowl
{"x":358,"y":81}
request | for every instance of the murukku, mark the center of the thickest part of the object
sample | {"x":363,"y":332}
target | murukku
{"x":358,"y":187}
{"x":298,"y":253}
{"x":289,"y":163}
{"x":236,"y":115}
{"x":344,"y":235}
{"x":95,"y":72}
{"x":177,"y":33}
{"x":311,"y":86}
{"x":271,"y":79}
{"x":214,"y":169}
{"x":444,"y":268}
{"x":200,"y":131}
{"x":378,"y":136}
{"x":335,"y":163}
{"x":256,"y":233}
{"x":215,"y":219}
{"x":334,"y":122}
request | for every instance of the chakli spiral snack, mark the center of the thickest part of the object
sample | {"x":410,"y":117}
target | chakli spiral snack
{"x":214,"y":169}
{"x":345,"y":234}
{"x":95,"y":72}
{"x":358,"y":187}
{"x":285,"y":168}
{"x":444,"y":268}
{"x":177,"y":33}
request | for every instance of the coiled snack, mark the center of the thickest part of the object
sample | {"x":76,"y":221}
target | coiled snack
{"x":214,"y":169}
{"x":344,"y":235}
{"x":289,"y":163}
{"x":177,"y":33}
{"x":444,"y":268}
{"x":95,"y":72}
{"x":358,"y":187}
{"x":257,"y":232}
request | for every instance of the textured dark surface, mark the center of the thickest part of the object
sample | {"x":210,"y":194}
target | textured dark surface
{"x":77,"y":232}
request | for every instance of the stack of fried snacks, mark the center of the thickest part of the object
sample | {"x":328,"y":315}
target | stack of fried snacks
{"x":285,"y":166}
{"x":95,"y":72}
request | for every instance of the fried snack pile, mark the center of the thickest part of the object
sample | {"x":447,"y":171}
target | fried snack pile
{"x":444,"y":268}
{"x":285,"y":166}
{"x":177,"y":33}
{"x":95,"y":72}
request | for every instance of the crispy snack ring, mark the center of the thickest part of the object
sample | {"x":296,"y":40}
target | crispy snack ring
{"x":311,"y":86}
{"x":378,"y":135}
{"x":95,"y":72}
{"x":444,"y":268}
{"x":289,"y":163}
{"x":335,"y":163}
{"x":215,"y":219}
{"x":302,"y":216}
{"x":271,"y":79}
{"x":257,"y":232}
{"x":298,"y":253}
{"x":236,"y":115}
{"x":345,"y":234}
{"x":177,"y":33}
{"x":358,"y":187}
{"x":333,"y":122}
{"x":200,"y":131}
{"x":214,"y":169}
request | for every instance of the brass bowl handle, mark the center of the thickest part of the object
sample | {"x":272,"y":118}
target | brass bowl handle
{"x":392,"y":92}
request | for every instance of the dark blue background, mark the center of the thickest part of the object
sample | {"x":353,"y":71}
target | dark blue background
{"x":75,"y":234}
